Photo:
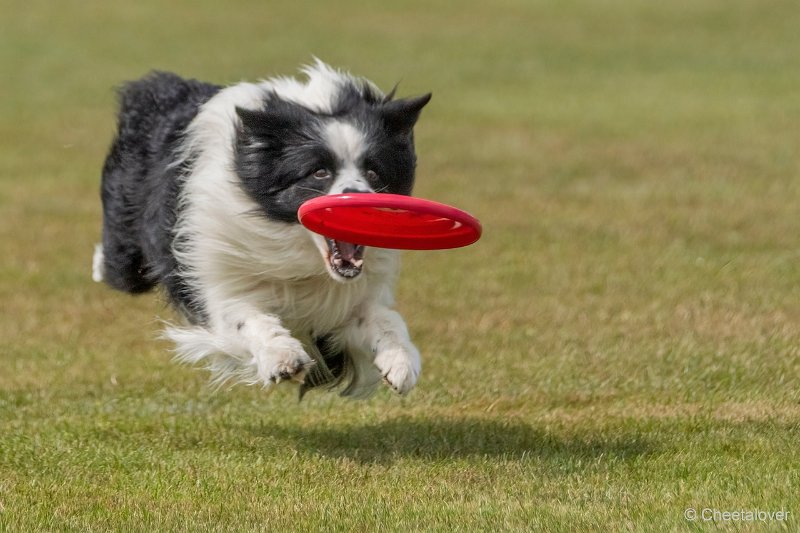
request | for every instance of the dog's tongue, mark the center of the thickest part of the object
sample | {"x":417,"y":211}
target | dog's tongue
{"x":348,"y":251}
{"x":346,"y":258}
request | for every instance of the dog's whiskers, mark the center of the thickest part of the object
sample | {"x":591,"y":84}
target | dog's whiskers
{"x":310,"y":189}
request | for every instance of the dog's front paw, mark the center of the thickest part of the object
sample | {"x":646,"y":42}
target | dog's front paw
{"x":400,"y":367}
{"x":282,"y":359}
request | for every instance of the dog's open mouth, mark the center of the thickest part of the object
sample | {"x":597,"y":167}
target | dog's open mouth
{"x":346,"y":259}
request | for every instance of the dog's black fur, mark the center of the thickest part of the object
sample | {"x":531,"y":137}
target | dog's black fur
{"x":140,"y":185}
{"x":280,"y":142}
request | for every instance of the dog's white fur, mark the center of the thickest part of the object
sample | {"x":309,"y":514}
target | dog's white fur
{"x":265,"y":288}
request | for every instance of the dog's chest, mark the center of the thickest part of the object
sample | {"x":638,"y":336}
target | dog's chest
{"x":318,"y":306}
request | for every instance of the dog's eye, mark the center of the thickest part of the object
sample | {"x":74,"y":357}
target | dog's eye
{"x":372,"y":175}
{"x":322,"y":174}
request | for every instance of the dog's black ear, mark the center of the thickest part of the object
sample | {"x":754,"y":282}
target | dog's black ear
{"x":399,"y":116}
{"x":273,"y":121}
{"x":252,"y":120}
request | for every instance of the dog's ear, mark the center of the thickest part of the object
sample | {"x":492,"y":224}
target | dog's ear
{"x":274,"y":121}
{"x":252,"y":120}
{"x":399,"y":116}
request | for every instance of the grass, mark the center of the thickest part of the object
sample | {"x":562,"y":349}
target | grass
{"x":623,"y":343}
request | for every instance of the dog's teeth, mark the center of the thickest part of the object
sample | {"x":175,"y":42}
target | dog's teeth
{"x":345,"y":258}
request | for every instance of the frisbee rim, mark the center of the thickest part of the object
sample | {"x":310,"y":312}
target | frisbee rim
{"x":311,"y":214}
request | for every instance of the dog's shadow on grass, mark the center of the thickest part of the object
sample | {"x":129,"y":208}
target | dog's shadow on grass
{"x":432,"y":439}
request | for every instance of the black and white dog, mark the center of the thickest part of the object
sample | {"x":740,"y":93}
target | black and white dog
{"x":200,"y":192}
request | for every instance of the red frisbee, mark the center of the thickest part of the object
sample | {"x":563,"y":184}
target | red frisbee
{"x":389,"y":221}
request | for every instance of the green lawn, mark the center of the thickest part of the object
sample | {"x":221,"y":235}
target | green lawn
{"x":622,"y":344}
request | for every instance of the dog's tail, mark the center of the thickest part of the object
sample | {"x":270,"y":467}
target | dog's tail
{"x":98,"y":264}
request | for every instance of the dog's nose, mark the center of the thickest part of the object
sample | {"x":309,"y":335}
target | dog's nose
{"x":351,"y":190}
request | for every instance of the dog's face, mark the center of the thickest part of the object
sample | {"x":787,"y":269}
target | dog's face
{"x":287,"y":154}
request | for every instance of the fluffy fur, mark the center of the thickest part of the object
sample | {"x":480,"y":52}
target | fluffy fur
{"x":200,"y":195}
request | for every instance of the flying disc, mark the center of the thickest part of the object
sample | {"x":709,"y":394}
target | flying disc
{"x":389,"y":221}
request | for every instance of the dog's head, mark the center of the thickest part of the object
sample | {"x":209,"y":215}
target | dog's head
{"x":287,"y":153}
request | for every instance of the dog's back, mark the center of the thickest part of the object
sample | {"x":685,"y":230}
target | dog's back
{"x":140,"y":183}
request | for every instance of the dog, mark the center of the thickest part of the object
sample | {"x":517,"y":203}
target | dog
{"x":200,"y":193}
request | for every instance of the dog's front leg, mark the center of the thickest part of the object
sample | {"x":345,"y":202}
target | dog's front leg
{"x":386,"y":335}
{"x":273,"y":353}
